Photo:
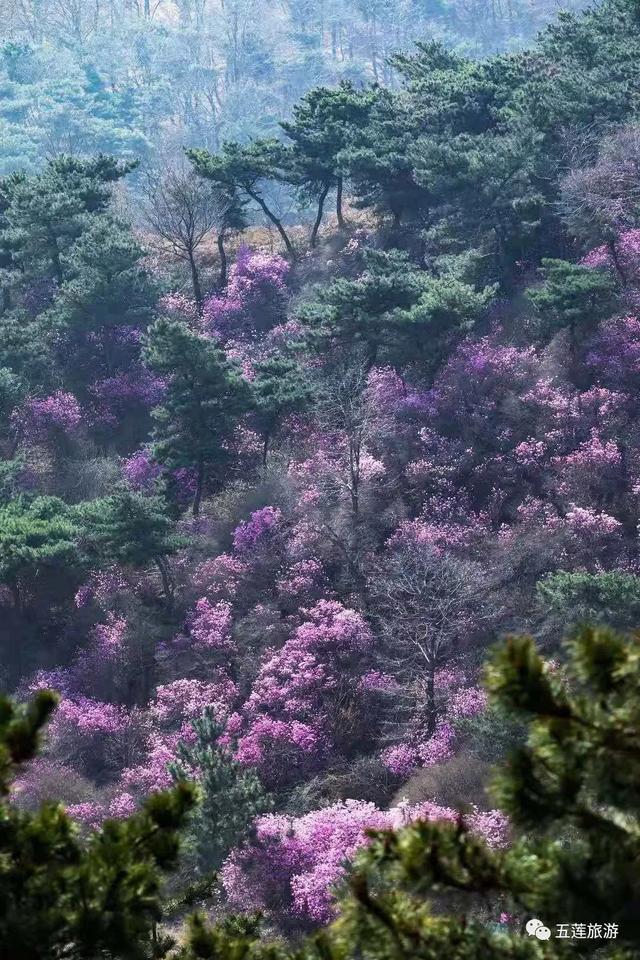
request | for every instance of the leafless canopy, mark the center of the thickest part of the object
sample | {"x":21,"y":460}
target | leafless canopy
{"x":602,"y":200}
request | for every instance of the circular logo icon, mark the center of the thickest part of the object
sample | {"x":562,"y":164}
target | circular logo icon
{"x":533,"y":925}
{"x":543,"y":933}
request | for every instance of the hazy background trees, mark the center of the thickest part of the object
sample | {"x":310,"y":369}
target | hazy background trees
{"x":139,"y":77}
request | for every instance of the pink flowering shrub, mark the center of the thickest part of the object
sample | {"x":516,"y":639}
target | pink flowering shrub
{"x":90,"y":814}
{"x":614,"y":353}
{"x":46,"y":418}
{"x":115,"y":396}
{"x":293,"y":865}
{"x":589,"y":472}
{"x":626,"y":251}
{"x":88,"y":717}
{"x":179,"y":307}
{"x":152,"y":773}
{"x":102,"y":588}
{"x":180,"y":701}
{"x":121,"y":806}
{"x":89,"y":733}
{"x":402,"y":759}
{"x":210,"y":626}
{"x":303,"y":582}
{"x":294,"y":698}
{"x":478,"y":379}
{"x":259,"y":530}
{"x":583,"y":537}
{"x":99,"y":668}
{"x":141,"y":471}
{"x":219,"y":578}
{"x":282,"y":750}
{"x":255,"y":297}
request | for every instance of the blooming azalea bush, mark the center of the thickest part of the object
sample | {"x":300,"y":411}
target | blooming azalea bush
{"x":48,"y":418}
{"x":294,"y":864}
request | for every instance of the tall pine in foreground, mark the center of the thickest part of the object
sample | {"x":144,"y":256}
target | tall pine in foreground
{"x":572,"y":793}
{"x":62,"y":897}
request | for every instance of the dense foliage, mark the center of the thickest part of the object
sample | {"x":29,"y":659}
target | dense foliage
{"x":574,"y":779}
{"x":60,"y":897}
{"x":272,"y":480}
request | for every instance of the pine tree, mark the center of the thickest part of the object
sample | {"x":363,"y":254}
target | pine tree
{"x":106,"y":290}
{"x":573,"y":296}
{"x":205,"y":398}
{"x":230,"y":796}
{"x":393,"y":310}
{"x":61,"y":896}
{"x":246,"y":169}
{"x":131,"y":529}
{"x":279,"y":389}
{"x":322,"y":124}
{"x":44,"y":214}
{"x":38,"y":536}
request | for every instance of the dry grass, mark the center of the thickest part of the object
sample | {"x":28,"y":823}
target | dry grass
{"x":458,"y":783}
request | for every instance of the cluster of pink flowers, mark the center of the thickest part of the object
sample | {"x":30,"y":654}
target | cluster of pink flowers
{"x":262,"y":524}
{"x":626,"y":251}
{"x":40,"y":418}
{"x":185,"y":699}
{"x":402,"y":759}
{"x":220,"y":577}
{"x":377,"y":680}
{"x":302,"y":860}
{"x":281,"y":749}
{"x":140,"y":470}
{"x":178,"y":306}
{"x":290,"y":701}
{"x":302,"y":581}
{"x":255,"y":297}
{"x":153,"y":772}
{"x":114,"y":396}
{"x":210,"y":625}
{"x":442,"y":536}
{"x":88,"y":716}
{"x":615,"y":352}
{"x":101,"y":587}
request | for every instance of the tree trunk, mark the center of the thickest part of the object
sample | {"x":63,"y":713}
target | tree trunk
{"x":265,"y":448}
{"x":167,"y":584}
{"x":339,"y":203}
{"x":616,"y":261}
{"x":222,"y":279}
{"x":16,"y":595}
{"x":316,"y":226}
{"x":197,"y":500}
{"x":431,"y":697}
{"x":274,"y":220}
{"x":354,"y":471}
{"x":195,"y":281}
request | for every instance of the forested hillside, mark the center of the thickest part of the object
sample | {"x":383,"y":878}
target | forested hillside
{"x":271,"y":486}
{"x":142,"y":79}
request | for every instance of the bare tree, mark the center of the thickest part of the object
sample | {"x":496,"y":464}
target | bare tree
{"x":430,"y":608}
{"x":182,"y":210}
{"x":601,"y":201}
{"x":343,"y":409}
